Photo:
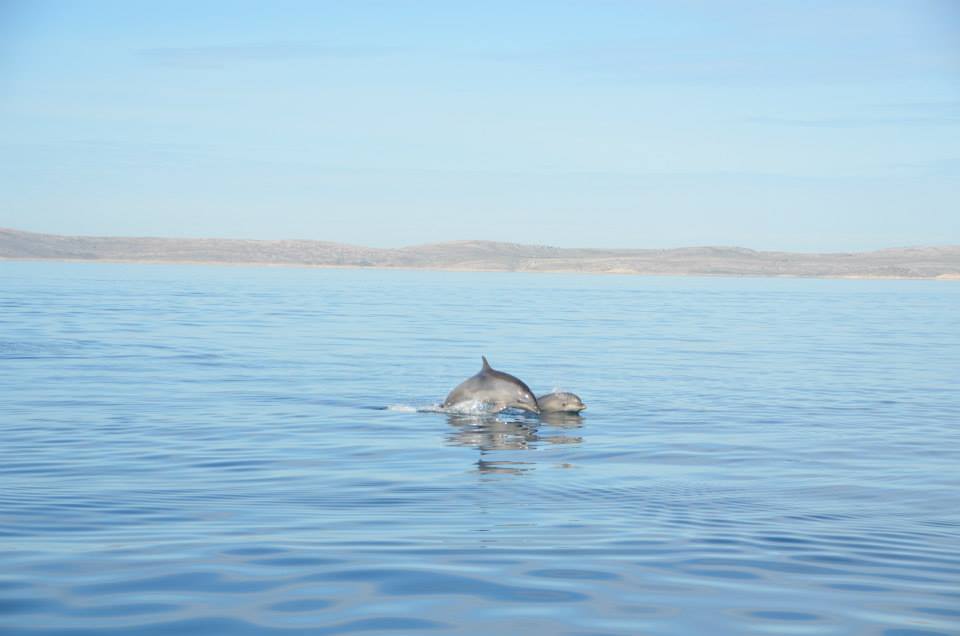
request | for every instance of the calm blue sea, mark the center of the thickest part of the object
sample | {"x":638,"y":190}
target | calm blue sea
{"x":232,"y":450}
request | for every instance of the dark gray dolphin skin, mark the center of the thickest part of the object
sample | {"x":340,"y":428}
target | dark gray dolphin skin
{"x":560,"y":402}
{"x":497,"y":389}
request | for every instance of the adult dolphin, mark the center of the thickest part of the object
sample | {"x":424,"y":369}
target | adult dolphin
{"x":496,"y":389}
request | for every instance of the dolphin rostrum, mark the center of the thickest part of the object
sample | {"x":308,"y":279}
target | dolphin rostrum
{"x":495,"y":389}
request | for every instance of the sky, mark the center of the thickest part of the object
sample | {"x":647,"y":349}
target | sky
{"x":793,"y":125}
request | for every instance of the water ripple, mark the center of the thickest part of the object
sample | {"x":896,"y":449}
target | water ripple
{"x":208,"y":451}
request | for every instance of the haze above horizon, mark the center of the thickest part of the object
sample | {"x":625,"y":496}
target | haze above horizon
{"x":577,"y":124}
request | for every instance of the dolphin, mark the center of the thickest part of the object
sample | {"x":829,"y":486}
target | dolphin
{"x":494,"y":388}
{"x":560,"y":402}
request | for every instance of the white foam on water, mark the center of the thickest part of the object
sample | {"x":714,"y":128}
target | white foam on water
{"x":467,"y":407}
{"x":432,"y":408}
{"x":402,"y":408}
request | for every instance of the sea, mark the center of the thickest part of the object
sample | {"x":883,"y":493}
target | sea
{"x":239,"y":450}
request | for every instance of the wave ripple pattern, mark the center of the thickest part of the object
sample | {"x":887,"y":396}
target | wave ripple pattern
{"x":190,"y":450}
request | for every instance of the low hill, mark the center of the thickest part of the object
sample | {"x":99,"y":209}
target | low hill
{"x":915,"y":262}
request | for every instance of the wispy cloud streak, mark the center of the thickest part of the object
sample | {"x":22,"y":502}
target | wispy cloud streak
{"x":223,"y":55}
{"x":945,"y":113}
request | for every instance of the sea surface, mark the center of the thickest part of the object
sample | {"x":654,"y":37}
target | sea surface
{"x":237,"y":450}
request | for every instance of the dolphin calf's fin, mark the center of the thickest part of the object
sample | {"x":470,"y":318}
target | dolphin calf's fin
{"x":486,"y":365}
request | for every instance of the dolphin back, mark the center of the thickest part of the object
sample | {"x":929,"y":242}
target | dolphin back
{"x":500,"y":375}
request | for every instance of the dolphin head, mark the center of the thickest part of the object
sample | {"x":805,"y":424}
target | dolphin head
{"x":573,"y":404}
{"x":561,"y":402}
{"x":525,"y":400}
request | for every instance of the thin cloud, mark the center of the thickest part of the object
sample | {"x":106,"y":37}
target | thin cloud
{"x":224,"y":55}
{"x":940,"y":108}
{"x":866,"y":121}
{"x":915,"y":113}
{"x":949,"y":167}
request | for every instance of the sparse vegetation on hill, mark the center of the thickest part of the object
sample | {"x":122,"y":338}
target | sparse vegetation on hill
{"x":916,"y":262}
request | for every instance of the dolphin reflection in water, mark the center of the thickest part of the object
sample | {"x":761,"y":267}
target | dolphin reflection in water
{"x":494,"y":433}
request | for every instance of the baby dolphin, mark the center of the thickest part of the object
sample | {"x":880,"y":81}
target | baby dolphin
{"x":560,"y":402}
{"x":495,"y":388}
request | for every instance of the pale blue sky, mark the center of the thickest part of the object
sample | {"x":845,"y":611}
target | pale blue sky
{"x":804,"y":125}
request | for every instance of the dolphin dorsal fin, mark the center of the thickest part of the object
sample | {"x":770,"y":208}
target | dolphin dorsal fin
{"x":486,"y":365}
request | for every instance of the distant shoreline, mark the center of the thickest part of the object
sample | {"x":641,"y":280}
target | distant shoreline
{"x":940,"y":277}
{"x":918,"y":263}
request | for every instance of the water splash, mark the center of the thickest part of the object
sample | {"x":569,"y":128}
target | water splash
{"x":467,"y":407}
